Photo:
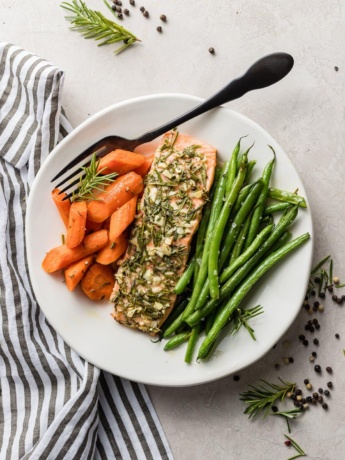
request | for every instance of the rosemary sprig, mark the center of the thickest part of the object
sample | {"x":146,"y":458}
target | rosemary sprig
{"x":93,"y":180}
{"x":260,"y":398}
{"x":93,"y":24}
{"x":242,"y":317}
{"x":294,"y":444}
{"x":290,"y":414}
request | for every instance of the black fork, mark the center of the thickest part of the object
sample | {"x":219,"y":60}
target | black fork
{"x":264,"y":72}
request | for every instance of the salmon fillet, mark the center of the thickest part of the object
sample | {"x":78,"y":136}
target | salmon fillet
{"x":169,"y":213}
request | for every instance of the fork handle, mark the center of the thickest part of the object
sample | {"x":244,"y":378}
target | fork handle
{"x":264,"y":72}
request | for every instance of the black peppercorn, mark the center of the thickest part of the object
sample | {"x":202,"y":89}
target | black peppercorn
{"x":317,"y":279}
{"x":334,"y":297}
{"x":119,"y":9}
{"x":118,"y":2}
{"x":316,"y":341}
{"x":113,"y":7}
{"x":301,"y":337}
{"x":291,"y":360}
{"x":317,"y":368}
{"x":337,"y":336}
{"x":211,"y":50}
{"x":274,"y":409}
{"x":336,"y":68}
{"x":329,"y":369}
{"x":146,"y":14}
{"x":307,"y":306}
{"x":142,"y":9}
{"x":160,"y":30}
{"x":306,"y":381}
{"x":120,"y":15}
{"x":320,"y":391}
{"x":325,"y":406}
{"x":327,"y":393}
{"x":315,"y":395}
{"x":236,"y":378}
{"x":316,"y":303}
{"x":132,"y":2}
{"x":322,"y":295}
{"x":277,"y":367}
{"x":163,"y":18}
{"x":330,"y":384}
{"x":298,"y":392}
{"x":309,"y":399}
{"x":320,"y":399}
{"x":293,"y":396}
{"x":126,"y":12}
{"x":311,"y":329}
{"x":314,"y":354}
{"x":305,"y":343}
{"x":317,"y":326}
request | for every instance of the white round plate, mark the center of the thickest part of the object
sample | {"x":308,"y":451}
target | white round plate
{"x":88,"y":327}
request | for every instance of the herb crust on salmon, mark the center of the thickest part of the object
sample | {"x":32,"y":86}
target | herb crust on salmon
{"x":176,"y":189}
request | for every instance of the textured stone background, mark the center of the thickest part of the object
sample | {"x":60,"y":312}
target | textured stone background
{"x":305,"y":114}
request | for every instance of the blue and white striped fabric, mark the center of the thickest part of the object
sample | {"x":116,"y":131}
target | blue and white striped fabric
{"x":54,"y":405}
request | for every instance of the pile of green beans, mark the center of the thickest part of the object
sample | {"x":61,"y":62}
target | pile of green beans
{"x":236,"y":244}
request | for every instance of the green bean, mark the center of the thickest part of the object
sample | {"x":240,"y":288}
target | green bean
{"x":286,"y":219}
{"x":286,"y":236}
{"x":178,"y":309}
{"x":209,"y":322}
{"x":200,"y":237}
{"x":283,"y":195}
{"x":251,"y":165}
{"x":231,"y":236}
{"x":226,"y":312}
{"x":203,"y":269}
{"x":233,"y":167}
{"x":260,"y":205}
{"x":175,"y":324}
{"x":186,"y":277}
{"x":237,"y":249}
{"x":244,"y":192}
{"x":239,"y":159}
{"x":250,"y":251}
{"x":177,"y":340}
{"x":213,"y":267}
{"x":276,"y":207}
{"x":192,"y":341}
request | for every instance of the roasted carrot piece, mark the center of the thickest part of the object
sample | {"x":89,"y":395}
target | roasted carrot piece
{"x":98,"y":282}
{"x":122,"y":218}
{"x":75,"y":272}
{"x":113,"y":250}
{"x":62,"y":256}
{"x":145,"y":167}
{"x":114,"y":196}
{"x":120,"y":161}
{"x":62,"y":206}
{"x":76,"y":224}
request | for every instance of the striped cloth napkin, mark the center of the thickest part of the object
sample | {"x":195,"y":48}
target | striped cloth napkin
{"x":54,"y":405}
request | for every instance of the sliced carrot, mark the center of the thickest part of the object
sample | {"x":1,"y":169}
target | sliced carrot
{"x":122,"y":218}
{"x":75,"y":272}
{"x":62,"y":256}
{"x":145,"y":167}
{"x":114,"y":196}
{"x":62,"y":206}
{"x":76,"y":224}
{"x":113,"y":250}
{"x":120,"y":161}
{"x":98,"y":282}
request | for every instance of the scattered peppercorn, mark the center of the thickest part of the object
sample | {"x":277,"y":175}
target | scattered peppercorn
{"x":309,"y":386}
{"x":126,"y":12}
{"x":301,"y":337}
{"x":314,"y":354}
{"x":146,"y":14}
{"x":236,"y":378}
{"x":119,"y":9}
{"x":334,"y":297}
{"x":317,"y":279}
{"x":320,"y":399}
{"x":306,"y":381}
{"x":315,"y":395}
{"x":211,"y":50}
{"x":163,"y":18}
{"x":298,"y":392}
{"x":326,"y":393}
{"x":329,"y":369}
{"x":142,"y":9}
{"x":325,"y":406}
{"x":293,"y":396}
{"x":305,"y":343}
{"x":316,"y":341}
{"x":307,"y":306}
{"x":320,"y":391}
{"x":132,"y":2}
{"x":291,"y":360}
{"x":322,"y":295}
{"x":309,"y":399}
{"x":113,"y":7}
{"x":274,"y":409}
{"x":321,"y":308}
{"x":277,"y":367}
{"x":311,"y":359}
{"x":317,"y":326}
{"x":336,"y":68}
{"x":159,"y":29}
{"x":337,"y":336}
{"x":330,"y":384}
{"x":120,"y":15}
{"x":312,"y":292}
{"x":118,"y":2}
{"x":317,"y":368}
{"x":287,"y":442}
{"x":299,"y":397}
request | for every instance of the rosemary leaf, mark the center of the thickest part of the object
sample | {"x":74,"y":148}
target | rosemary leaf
{"x":260,"y":398}
{"x":291,"y":414}
{"x":294,"y":444}
{"x":93,"y":24}
{"x":319,"y":265}
{"x":93,"y":180}
{"x":242,"y":317}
